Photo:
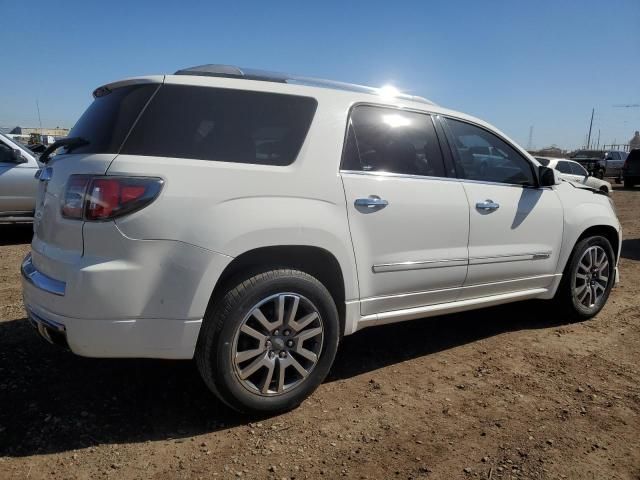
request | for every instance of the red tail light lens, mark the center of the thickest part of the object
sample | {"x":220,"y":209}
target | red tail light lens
{"x":105,"y":198}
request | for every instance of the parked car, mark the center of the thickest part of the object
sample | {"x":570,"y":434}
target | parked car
{"x":631,"y":169}
{"x":18,"y":187}
{"x":251,"y":220}
{"x":574,"y":172}
{"x":600,"y":163}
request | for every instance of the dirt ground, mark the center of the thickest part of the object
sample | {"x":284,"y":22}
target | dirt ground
{"x":508,"y":392}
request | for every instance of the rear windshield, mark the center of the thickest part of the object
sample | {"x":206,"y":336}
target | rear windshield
{"x":109,"y":118}
{"x":222,"y":124}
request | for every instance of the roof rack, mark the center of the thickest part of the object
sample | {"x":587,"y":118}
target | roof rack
{"x":230,"y":71}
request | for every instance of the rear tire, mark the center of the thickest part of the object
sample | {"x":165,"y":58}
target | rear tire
{"x":587,"y":279}
{"x":269,"y":342}
{"x":628,"y":183}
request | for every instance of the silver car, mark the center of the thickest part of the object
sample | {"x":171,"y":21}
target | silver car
{"x":18,"y":185}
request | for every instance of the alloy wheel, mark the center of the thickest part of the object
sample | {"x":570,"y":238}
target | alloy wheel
{"x":278,"y":344}
{"x":591,"y":277}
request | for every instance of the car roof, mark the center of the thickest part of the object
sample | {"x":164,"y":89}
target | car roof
{"x":342,"y":95}
{"x":231,"y":71}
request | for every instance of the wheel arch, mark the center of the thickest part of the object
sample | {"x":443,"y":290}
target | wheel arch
{"x":607,"y":231}
{"x":316,"y":261}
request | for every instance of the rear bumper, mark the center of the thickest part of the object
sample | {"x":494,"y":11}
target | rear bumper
{"x":135,"y":338}
{"x":121,"y":297}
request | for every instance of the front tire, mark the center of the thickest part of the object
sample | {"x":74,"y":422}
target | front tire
{"x":587,"y":279}
{"x":269,"y":342}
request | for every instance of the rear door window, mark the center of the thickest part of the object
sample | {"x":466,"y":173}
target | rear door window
{"x":564,"y":167}
{"x":108,"y":120}
{"x":578,"y":169}
{"x":223,"y":125}
{"x":383,"y":139}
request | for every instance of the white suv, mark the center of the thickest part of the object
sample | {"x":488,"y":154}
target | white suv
{"x":250,"y":220}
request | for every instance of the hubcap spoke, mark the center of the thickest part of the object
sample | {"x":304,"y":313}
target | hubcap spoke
{"x":248,"y":355}
{"x":253,"y":367}
{"x":253,"y":333}
{"x":308,"y":354}
{"x":304,"y":321}
{"x":271,"y":365}
{"x":307,"y":334}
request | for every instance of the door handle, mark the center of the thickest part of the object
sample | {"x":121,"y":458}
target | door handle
{"x":372,"y":201}
{"x":487,"y":206}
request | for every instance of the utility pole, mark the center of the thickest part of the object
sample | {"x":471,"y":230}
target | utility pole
{"x":598,"y":147}
{"x":39,"y":119}
{"x":590,"y":126}
{"x":530,"y":144}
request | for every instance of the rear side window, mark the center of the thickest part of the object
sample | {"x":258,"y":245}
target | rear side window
{"x":390,"y":140}
{"x":222,"y":124}
{"x":109,"y":118}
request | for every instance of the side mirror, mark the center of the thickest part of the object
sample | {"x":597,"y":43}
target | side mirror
{"x":547,"y":176}
{"x":17,"y":156}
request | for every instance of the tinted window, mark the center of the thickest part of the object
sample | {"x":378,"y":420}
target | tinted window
{"x":221,"y":124}
{"x":543,"y":161}
{"x":613,"y":156}
{"x":6,"y":153}
{"x":634,"y":156}
{"x":481,"y":155}
{"x":390,"y":140}
{"x":578,"y":169}
{"x":564,"y":167}
{"x":109,"y":118}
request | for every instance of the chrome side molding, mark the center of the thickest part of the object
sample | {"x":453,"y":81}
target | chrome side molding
{"x":457,"y":262}
{"x":40,"y":280}
{"x":403,"y":266}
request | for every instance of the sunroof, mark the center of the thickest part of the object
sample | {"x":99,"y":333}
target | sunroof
{"x":231,"y":71}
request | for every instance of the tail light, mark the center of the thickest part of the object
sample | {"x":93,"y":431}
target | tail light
{"x":104,"y":198}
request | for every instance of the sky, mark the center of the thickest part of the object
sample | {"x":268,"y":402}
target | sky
{"x":515,"y":64}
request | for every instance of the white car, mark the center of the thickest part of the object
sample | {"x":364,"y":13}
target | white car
{"x":574,"y":172}
{"x":18,"y":185}
{"x":251,"y":220}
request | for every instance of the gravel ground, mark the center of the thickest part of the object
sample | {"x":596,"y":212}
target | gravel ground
{"x":508,"y":392}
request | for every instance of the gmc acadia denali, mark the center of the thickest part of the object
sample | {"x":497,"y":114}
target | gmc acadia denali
{"x":250,"y":220}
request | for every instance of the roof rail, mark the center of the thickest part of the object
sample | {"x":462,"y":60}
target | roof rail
{"x":230,"y":71}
